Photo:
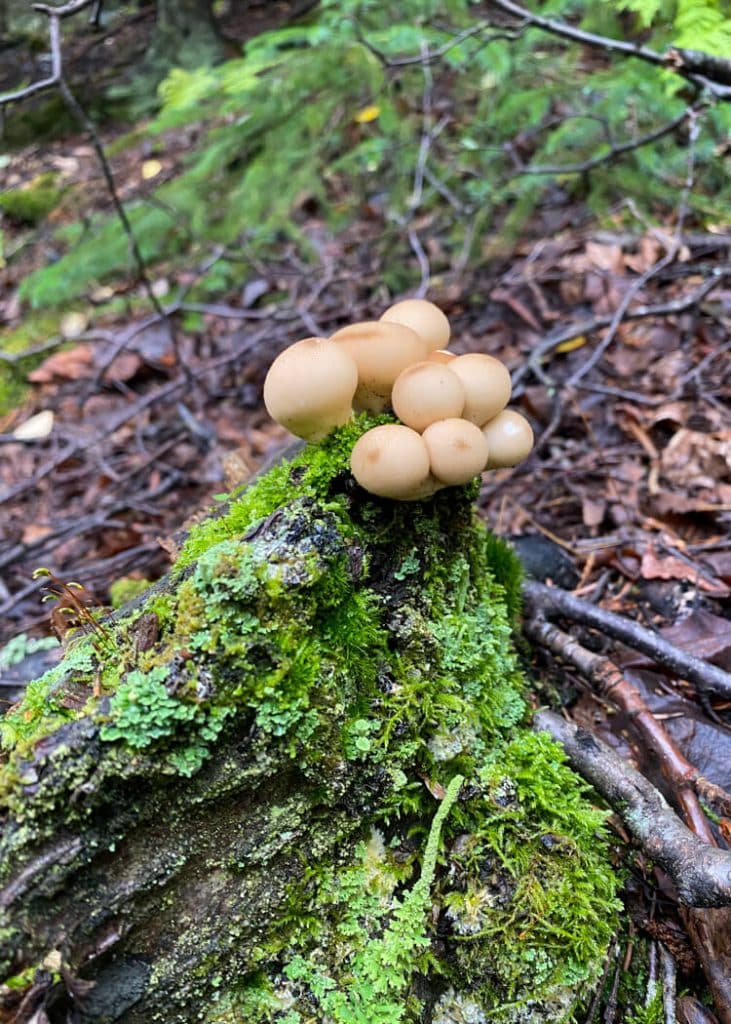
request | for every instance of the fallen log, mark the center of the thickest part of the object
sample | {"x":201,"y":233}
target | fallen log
{"x":296,"y":782}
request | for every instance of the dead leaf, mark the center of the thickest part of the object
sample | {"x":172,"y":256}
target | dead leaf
{"x":71,"y":364}
{"x":34,"y":531}
{"x":605,"y":257}
{"x":574,"y":343}
{"x":367,"y":114}
{"x":593,"y":511}
{"x":654,"y":566}
{"x":695,"y":459}
{"x":704,"y":634}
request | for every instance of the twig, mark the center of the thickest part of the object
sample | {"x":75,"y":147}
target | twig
{"x":715,"y":70}
{"x":718,"y":276}
{"x":701,"y":873}
{"x":474,"y":30}
{"x":706,"y":676}
{"x":615,"y":149}
{"x":611,"y":684}
{"x":54,"y":28}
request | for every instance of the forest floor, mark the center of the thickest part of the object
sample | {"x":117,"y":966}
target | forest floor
{"x":133,"y":424}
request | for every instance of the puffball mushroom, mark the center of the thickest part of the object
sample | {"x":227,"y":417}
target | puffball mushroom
{"x":426,"y":392}
{"x":423,"y":317}
{"x":381,"y":351}
{"x":509,"y":438}
{"x":486,"y":383}
{"x":392,"y":462}
{"x":310,"y":386}
{"x":458,"y":450}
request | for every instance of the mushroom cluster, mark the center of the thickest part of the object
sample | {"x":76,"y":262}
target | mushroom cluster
{"x":452,"y":408}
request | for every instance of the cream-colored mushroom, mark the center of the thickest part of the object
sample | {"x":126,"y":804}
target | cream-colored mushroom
{"x":310,"y":386}
{"x":392,"y":462}
{"x":426,"y":392}
{"x":457,"y":450}
{"x":440,"y":355}
{"x":509,"y":438}
{"x":423,"y":317}
{"x":486,"y":383}
{"x":381,"y":351}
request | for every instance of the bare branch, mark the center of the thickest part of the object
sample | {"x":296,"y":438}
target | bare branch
{"x":609,"y":682}
{"x":704,"y":675}
{"x":687,"y":68}
{"x":701,"y":873}
{"x":615,"y":149}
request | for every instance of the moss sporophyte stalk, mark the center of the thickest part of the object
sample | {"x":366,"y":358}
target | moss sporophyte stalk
{"x":345,"y":664}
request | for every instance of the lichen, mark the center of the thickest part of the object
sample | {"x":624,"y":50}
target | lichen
{"x":351,"y":634}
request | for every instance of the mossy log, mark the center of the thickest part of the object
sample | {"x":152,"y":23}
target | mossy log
{"x":297,"y":783}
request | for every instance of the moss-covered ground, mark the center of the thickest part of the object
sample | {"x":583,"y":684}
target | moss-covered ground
{"x":362,"y":634}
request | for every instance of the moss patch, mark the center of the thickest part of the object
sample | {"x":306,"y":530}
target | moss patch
{"x":351,"y":634}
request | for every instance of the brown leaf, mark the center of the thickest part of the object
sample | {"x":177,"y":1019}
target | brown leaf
{"x":655,"y":566}
{"x":593,"y":510}
{"x":703,"y":634}
{"x":72,"y":364}
{"x":695,"y":459}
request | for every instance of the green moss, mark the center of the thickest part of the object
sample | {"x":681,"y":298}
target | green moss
{"x":342,"y":631}
{"x":125,"y":589}
{"x":31,"y":203}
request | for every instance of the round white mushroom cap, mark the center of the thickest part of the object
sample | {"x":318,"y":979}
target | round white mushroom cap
{"x":392,"y":462}
{"x":486,"y":383}
{"x":509,"y":438}
{"x":423,"y":317}
{"x":458,"y":450}
{"x":426,"y":392}
{"x":310,"y":386}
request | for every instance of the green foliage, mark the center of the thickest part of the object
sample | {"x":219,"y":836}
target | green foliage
{"x":376,"y":991}
{"x":31,"y":203}
{"x":691,"y":24}
{"x":22,"y":646}
{"x":280,"y":126}
{"x":125,"y":589}
{"x":143,"y":711}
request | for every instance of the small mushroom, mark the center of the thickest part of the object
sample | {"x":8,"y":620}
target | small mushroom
{"x":392,"y":462}
{"x":381,"y":351}
{"x":310,"y":386}
{"x":458,"y":450}
{"x":440,"y":355}
{"x":486,"y":383}
{"x":509,"y":438}
{"x":426,"y":392}
{"x":423,"y":317}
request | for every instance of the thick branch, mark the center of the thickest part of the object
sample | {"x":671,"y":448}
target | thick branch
{"x":701,"y":873}
{"x":611,"y":684}
{"x":553,"y":600}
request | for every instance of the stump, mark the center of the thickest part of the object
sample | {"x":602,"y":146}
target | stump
{"x":296,"y":782}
